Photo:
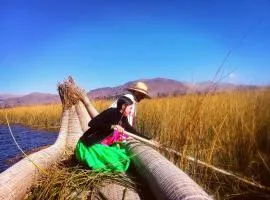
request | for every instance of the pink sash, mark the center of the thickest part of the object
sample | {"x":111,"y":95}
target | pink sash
{"x":115,"y":137}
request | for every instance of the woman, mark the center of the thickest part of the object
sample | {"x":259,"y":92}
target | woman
{"x":137,"y":92}
{"x":92,"y":149}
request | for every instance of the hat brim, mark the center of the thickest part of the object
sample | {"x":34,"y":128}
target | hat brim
{"x":146,"y":95}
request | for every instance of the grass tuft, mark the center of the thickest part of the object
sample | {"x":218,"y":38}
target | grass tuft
{"x":67,"y":180}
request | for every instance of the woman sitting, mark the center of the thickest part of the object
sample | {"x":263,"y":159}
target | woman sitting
{"x":98,"y":147}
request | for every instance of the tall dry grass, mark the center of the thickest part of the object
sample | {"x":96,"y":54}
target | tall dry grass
{"x":228,"y":130}
{"x":39,"y":117}
{"x":226,"y":125}
{"x":46,"y":117}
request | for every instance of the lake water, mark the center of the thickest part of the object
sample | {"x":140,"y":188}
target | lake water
{"x":26,"y":138}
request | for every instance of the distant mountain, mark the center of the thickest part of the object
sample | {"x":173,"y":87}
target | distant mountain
{"x":205,"y":87}
{"x":158,"y":87}
{"x":30,"y":99}
{"x":8,"y":95}
{"x":5,"y":96}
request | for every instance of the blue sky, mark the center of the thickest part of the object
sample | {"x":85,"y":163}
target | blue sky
{"x":107,"y":43}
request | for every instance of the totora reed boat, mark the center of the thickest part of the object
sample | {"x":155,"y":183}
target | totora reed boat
{"x":165,"y":180}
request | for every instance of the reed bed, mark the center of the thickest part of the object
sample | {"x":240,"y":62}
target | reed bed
{"x":44,"y":117}
{"x":40,"y":117}
{"x":69,"y":181}
{"x":228,"y":130}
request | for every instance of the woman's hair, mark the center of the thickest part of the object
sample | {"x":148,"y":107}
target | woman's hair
{"x":123,"y":100}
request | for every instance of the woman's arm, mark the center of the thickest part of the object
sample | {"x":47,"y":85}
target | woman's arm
{"x":130,"y":129}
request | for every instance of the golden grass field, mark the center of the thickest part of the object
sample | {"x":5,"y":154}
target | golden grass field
{"x":228,"y":130}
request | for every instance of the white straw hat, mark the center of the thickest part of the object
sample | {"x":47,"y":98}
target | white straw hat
{"x":140,"y":87}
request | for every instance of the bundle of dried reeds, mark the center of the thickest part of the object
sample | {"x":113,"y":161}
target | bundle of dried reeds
{"x":70,"y":93}
{"x":68,"y":181}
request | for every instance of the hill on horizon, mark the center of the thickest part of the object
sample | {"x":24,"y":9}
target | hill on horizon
{"x":158,"y":87}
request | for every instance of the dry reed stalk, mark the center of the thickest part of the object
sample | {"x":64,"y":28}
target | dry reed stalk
{"x":66,"y":181}
{"x":70,"y":94}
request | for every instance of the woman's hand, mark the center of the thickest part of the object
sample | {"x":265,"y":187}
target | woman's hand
{"x":155,"y":143}
{"x":118,"y":128}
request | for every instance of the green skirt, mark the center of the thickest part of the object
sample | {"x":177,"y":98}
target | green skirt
{"x":103,"y":158}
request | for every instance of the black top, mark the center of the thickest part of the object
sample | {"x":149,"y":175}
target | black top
{"x":100,"y":126}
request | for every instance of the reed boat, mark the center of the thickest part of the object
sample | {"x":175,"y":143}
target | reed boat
{"x":165,"y":180}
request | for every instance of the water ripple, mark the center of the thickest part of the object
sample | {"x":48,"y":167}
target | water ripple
{"x":27,"y":139}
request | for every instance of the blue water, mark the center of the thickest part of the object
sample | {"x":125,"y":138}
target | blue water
{"x":26,"y":138}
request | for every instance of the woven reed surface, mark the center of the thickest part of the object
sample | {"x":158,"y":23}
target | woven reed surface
{"x":83,"y":116}
{"x":164,"y":178}
{"x":15,"y":181}
{"x":118,"y":192}
{"x":74,"y":129}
